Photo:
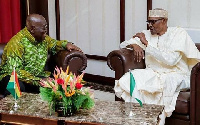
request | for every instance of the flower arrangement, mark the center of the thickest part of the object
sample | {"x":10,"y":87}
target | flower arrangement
{"x":66,"y":89}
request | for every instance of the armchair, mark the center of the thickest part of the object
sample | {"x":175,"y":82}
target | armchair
{"x":76,"y":60}
{"x":187,"y":110}
{"x":1,"y":50}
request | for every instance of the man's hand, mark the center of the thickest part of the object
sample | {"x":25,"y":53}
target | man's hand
{"x":138,"y":52}
{"x":71,"y":47}
{"x":142,"y":38}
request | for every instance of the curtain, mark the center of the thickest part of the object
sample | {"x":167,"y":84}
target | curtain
{"x":93,"y":25}
{"x":10,"y":22}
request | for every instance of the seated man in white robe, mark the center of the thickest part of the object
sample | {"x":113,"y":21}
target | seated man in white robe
{"x":169,"y":55}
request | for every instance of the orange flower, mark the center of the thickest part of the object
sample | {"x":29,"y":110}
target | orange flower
{"x":70,"y":93}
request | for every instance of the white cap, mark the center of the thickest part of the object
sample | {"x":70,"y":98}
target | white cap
{"x":158,"y":13}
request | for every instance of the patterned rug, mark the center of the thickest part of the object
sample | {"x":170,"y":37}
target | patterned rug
{"x":97,"y":86}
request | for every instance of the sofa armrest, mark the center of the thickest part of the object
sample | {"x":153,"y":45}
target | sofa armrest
{"x":122,"y":60}
{"x":195,"y":94}
{"x":76,"y":60}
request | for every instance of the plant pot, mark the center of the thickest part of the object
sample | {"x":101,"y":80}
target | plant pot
{"x":63,"y":112}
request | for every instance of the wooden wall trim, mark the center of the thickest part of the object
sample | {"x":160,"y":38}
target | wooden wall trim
{"x":39,"y":7}
{"x":149,"y":7}
{"x":57,"y":9}
{"x":23,"y":12}
{"x":122,"y":20}
{"x":99,"y":79}
{"x":96,"y":57}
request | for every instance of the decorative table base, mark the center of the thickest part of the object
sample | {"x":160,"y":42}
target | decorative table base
{"x":62,"y":112}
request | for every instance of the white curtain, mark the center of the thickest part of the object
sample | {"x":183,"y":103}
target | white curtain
{"x":183,"y":13}
{"x":93,"y":25}
{"x":135,"y":17}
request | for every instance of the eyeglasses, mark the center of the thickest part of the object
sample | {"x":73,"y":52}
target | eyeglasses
{"x":152,"y":22}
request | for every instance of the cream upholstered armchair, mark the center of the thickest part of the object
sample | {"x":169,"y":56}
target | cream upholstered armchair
{"x":187,"y":110}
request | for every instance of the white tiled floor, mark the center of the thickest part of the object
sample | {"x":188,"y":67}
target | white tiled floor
{"x":104,"y":96}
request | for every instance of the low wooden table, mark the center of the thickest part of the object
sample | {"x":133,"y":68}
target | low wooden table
{"x":33,"y":110}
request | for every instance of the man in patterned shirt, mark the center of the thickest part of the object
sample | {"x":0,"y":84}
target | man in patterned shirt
{"x":27,"y":51}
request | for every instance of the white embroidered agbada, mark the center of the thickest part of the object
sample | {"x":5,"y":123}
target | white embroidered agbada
{"x":169,"y":59}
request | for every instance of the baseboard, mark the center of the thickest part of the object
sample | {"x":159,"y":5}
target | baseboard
{"x":99,"y":79}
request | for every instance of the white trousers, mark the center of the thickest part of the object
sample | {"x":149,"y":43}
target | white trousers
{"x":162,"y":118}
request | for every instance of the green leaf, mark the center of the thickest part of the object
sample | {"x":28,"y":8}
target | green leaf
{"x":46,"y":94}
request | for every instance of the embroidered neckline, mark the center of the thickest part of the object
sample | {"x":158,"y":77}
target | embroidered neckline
{"x":28,"y":35}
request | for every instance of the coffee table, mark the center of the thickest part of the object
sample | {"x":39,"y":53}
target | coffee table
{"x":32,"y":110}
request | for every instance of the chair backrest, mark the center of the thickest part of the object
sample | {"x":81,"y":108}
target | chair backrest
{"x":198,"y":46}
{"x":1,"y":50}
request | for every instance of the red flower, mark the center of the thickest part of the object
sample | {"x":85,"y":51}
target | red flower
{"x":79,"y":86}
{"x":60,"y":81}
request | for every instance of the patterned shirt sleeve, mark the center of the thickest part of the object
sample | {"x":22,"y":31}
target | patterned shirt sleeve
{"x":55,"y":45}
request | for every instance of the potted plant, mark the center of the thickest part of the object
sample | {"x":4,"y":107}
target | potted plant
{"x":64,"y":93}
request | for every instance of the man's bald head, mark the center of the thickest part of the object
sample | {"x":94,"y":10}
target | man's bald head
{"x":33,"y":19}
{"x":37,"y":26}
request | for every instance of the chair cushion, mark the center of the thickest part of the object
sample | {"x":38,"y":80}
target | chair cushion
{"x":183,"y":103}
{"x":180,"y":116}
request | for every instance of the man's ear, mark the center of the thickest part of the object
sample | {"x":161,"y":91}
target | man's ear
{"x":32,"y":30}
{"x":165,"y":20}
